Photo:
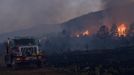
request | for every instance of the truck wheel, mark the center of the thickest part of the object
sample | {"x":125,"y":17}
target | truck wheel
{"x":8,"y":61}
{"x":8,"y":65}
{"x":39,"y":64}
{"x":14,"y":65}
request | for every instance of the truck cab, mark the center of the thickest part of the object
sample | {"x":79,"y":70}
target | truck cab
{"x":23,"y":50}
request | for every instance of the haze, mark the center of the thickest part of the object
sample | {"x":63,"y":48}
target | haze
{"x":22,"y":14}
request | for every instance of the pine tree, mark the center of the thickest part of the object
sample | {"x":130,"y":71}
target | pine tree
{"x":131,"y":30}
{"x":103,"y":32}
{"x":113,"y":31}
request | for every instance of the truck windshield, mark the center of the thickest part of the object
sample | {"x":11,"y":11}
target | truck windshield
{"x":24,"y":42}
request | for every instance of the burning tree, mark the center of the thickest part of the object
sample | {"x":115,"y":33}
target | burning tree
{"x":119,"y":30}
{"x":122,"y":30}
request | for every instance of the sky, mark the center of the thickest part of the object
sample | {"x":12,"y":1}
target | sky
{"x":21,"y":14}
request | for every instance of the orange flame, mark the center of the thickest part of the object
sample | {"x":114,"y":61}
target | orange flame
{"x":122,"y":30}
{"x":86,"y":33}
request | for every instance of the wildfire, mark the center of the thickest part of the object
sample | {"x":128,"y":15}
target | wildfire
{"x":86,"y":33}
{"x":122,"y":30}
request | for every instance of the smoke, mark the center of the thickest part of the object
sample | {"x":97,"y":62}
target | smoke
{"x":18,"y":14}
{"x":119,"y":11}
{"x":115,"y":3}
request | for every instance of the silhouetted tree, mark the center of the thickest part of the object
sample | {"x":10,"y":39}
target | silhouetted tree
{"x":113,"y":30}
{"x":131,"y":30}
{"x":103,"y":32}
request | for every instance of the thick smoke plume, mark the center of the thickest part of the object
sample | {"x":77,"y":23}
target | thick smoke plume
{"x":18,"y":14}
{"x":119,"y":11}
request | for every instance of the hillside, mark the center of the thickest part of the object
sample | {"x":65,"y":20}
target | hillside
{"x":91,"y":21}
{"x":86,"y":22}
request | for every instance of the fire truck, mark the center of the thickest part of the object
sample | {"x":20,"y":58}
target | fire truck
{"x":23,"y":50}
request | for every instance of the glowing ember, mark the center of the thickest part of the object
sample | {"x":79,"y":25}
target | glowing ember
{"x":122,"y":30}
{"x":86,"y":33}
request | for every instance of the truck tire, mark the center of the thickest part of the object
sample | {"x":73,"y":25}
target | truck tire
{"x":14,"y":65}
{"x":8,"y":65}
{"x":8,"y":61}
{"x":39,"y":64}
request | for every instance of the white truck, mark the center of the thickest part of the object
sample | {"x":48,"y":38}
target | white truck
{"x":23,"y":51}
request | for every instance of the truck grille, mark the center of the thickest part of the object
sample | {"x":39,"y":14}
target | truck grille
{"x":28,"y":51}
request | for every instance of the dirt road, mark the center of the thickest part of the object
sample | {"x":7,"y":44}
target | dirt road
{"x":42,"y":71}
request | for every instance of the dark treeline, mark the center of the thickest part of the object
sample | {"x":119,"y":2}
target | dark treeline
{"x":103,"y":38}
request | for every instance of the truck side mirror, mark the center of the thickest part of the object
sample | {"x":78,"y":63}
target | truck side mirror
{"x":7,"y":45}
{"x":39,"y":41}
{"x":8,"y":41}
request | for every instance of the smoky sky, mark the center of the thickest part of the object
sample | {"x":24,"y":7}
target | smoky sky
{"x":115,"y":3}
{"x":119,"y":11}
{"x":22,"y":14}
